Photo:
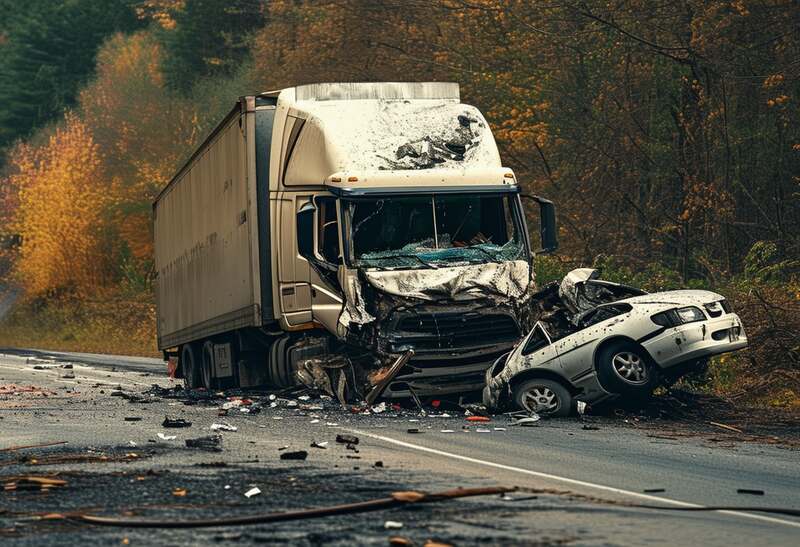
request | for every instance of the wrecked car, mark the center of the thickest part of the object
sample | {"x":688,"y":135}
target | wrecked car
{"x":596,"y":340}
{"x":362,"y":239}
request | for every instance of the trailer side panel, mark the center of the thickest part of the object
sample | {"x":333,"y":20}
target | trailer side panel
{"x":203,"y":242}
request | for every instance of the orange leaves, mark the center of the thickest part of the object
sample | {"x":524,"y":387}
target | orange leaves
{"x":61,"y":203}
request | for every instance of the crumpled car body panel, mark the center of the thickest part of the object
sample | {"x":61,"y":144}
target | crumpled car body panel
{"x":572,"y":358}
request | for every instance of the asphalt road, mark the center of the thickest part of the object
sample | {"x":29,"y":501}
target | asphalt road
{"x":616,"y":463}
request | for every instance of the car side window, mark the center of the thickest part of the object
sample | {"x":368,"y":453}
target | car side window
{"x":537,"y":340}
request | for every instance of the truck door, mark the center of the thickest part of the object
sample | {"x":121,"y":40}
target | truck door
{"x":309,"y":283}
{"x":294,"y":290}
{"x":326,"y":294}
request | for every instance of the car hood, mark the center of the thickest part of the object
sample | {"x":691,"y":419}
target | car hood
{"x":677,"y":298}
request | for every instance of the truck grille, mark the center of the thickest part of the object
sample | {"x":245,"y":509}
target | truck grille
{"x":434,"y":331}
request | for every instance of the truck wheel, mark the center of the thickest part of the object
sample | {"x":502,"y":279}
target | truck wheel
{"x":545,"y":397}
{"x":624,"y":368}
{"x":207,"y":365}
{"x":190,"y":367}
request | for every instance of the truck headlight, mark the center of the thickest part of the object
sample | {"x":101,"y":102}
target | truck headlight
{"x":690,"y":314}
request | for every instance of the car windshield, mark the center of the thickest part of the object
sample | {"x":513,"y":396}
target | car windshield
{"x":434,"y":230}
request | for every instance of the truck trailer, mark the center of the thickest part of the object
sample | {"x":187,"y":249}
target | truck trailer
{"x":345,"y":236}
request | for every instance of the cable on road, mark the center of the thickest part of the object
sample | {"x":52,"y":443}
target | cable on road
{"x":395,"y":500}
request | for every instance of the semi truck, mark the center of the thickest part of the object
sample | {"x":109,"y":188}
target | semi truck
{"x":345,"y":236}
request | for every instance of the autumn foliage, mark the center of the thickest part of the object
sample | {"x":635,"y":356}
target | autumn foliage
{"x":668,"y":134}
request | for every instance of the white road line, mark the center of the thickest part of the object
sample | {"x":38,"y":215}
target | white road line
{"x":567,"y":480}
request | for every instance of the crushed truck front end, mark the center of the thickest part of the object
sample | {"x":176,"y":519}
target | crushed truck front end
{"x":443,"y":269}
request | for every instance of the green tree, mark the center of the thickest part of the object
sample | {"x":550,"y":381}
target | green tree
{"x":208,"y":38}
{"x":47,"y":52}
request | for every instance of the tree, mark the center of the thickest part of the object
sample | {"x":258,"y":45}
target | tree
{"x":206,"y":38}
{"x":47,"y":52}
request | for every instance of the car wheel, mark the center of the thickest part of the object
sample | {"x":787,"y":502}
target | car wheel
{"x":625,"y":368}
{"x":545,"y":397}
{"x":190,"y":368}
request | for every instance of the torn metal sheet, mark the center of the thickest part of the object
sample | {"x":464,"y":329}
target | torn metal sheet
{"x":354,"y":310}
{"x":507,"y":280}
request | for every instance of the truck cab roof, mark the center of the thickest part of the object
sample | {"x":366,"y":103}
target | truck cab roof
{"x":382,"y":134}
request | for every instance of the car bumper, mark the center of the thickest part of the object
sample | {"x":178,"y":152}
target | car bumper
{"x":697,"y":340}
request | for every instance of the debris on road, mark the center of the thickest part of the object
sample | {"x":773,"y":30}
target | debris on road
{"x":322,"y":445}
{"x":42,"y":484}
{"x":132,"y":418}
{"x":211,"y":443}
{"x":166,"y":437}
{"x":295,"y":455}
{"x":750,"y":491}
{"x":728,"y":427}
{"x":588,"y":427}
{"x":344,"y":438}
{"x":414,"y":430}
{"x":653,"y":490}
{"x":527,"y":421}
{"x":252,"y":492}
{"x":392,"y":525}
{"x":394,"y":500}
{"x":478,"y":419}
{"x":24,"y":447}
{"x":223,"y":427}
{"x":179,"y":492}
{"x":176,"y":422}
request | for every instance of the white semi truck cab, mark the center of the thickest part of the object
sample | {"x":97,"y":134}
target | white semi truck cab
{"x":323,"y":231}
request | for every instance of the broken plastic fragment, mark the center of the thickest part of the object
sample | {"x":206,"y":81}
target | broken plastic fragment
{"x":381,"y":407}
{"x":581,"y":407}
{"x":223,"y":427}
{"x":252,"y":492}
{"x":166,"y":437}
{"x":528,"y":421}
{"x":392,"y":525}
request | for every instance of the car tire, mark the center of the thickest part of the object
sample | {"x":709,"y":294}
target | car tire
{"x":190,"y":367}
{"x":545,"y":397}
{"x":625,"y":368}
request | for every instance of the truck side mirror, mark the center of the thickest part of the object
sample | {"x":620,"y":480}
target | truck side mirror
{"x":547,"y":226}
{"x":305,"y":231}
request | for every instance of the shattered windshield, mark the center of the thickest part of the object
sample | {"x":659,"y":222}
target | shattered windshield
{"x":432,"y":231}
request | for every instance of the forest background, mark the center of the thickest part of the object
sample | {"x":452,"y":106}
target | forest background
{"x":667,"y":133}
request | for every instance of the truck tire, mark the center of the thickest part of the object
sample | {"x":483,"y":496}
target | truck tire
{"x":625,"y":368}
{"x":190,"y":367}
{"x":543,"y":396}
{"x":207,"y":365}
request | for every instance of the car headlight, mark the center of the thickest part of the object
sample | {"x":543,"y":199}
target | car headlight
{"x":679,"y":316}
{"x":690,"y":314}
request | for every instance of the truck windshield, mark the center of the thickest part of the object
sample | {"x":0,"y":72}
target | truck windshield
{"x":431,"y":231}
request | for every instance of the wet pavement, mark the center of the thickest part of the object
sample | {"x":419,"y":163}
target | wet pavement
{"x":574,"y":475}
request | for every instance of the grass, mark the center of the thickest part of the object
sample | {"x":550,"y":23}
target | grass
{"x":112,"y":323}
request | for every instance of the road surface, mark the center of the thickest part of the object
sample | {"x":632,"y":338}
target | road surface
{"x":596,"y":470}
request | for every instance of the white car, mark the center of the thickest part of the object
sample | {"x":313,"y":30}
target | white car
{"x":596,"y":340}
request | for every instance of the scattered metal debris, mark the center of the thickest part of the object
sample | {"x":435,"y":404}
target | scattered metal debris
{"x":295,"y":455}
{"x":344,"y":438}
{"x":752,"y":492}
{"x":211,"y":443}
{"x":176,"y":422}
